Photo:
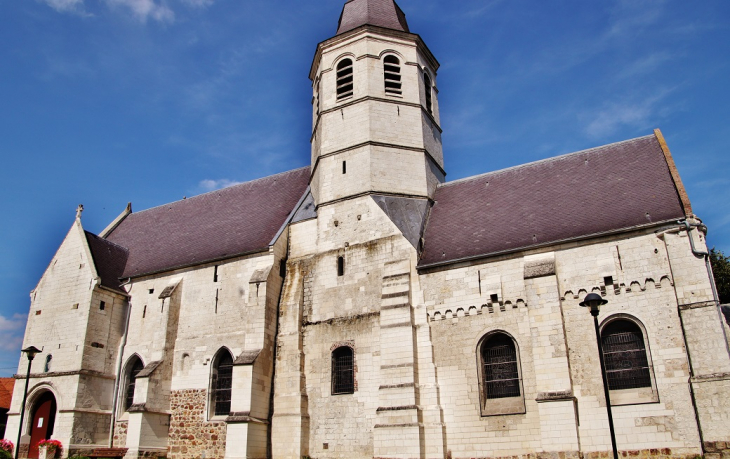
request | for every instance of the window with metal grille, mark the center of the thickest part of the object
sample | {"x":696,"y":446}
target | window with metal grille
{"x":345,"y":85}
{"x":501,"y":375}
{"x":393,"y":84}
{"x":134,"y":370}
{"x":427,"y":87}
{"x":221,"y":384}
{"x":624,"y":354}
{"x":343,"y":371}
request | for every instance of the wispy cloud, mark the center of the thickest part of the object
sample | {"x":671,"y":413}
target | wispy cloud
{"x":145,"y":9}
{"x":210,"y":185}
{"x":198,"y":3}
{"x":66,"y":6}
{"x":631,"y":112}
{"x":12,"y":331}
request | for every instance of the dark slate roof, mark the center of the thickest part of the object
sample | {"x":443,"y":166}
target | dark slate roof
{"x":109,"y":260}
{"x":221,"y":224}
{"x":6,"y":392}
{"x":382,"y":13}
{"x":609,"y":188}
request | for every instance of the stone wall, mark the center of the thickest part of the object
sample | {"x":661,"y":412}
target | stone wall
{"x":191,"y":435}
{"x":120,"y":434}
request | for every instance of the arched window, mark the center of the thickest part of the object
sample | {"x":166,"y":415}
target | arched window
{"x":344,"y":79}
{"x":624,"y":354}
{"x":47,"y":367}
{"x":135,"y":366}
{"x":501,"y":371}
{"x":343,"y":371}
{"x":222,"y":380}
{"x":428,"y":88}
{"x":393,"y":84}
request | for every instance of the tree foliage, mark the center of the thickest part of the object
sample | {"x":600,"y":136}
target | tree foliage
{"x":721,"y":269}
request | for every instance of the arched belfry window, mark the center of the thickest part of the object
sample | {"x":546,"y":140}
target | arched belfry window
{"x":393,"y":83}
{"x":625,"y":357}
{"x":134,"y":367}
{"x":221,"y":383}
{"x":345,"y":86}
{"x":428,"y":90}
{"x":343,"y":370}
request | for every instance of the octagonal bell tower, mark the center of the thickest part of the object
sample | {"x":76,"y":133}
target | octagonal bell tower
{"x":376,"y":127}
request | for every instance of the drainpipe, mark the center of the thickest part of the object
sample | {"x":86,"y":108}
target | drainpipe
{"x":117,"y":381}
{"x":706,"y":255}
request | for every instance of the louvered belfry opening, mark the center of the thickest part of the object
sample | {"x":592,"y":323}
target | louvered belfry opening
{"x":393,"y":83}
{"x":222,"y":382}
{"x":343,"y":371}
{"x":501,"y":373}
{"x":624,"y":354}
{"x":345,"y":86}
{"x":427,"y":87}
{"x":137,"y":366}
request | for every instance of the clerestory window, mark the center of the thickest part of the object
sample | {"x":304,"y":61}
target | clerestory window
{"x":345,"y":86}
{"x":392,"y":76}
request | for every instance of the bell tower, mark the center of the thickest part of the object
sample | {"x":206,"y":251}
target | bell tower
{"x":376,"y":126}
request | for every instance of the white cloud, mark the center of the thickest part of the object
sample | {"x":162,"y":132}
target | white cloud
{"x":65,"y":6}
{"x":198,"y":3}
{"x":637,"y":113}
{"x":145,"y":9}
{"x":12,"y":330}
{"x":210,"y":185}
{"x":17,"y":323}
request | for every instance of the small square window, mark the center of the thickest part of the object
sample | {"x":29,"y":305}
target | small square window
{"x":102,"y":305}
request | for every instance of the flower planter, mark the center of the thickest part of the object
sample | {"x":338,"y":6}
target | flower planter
{"x":46,"y":453}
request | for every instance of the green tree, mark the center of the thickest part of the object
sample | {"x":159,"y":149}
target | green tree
{"x":721,"y":269}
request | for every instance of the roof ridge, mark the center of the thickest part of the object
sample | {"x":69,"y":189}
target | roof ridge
{"x":545,"y":160}
{"x":219,"y":190}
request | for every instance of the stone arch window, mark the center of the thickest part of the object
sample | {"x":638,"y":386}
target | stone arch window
{"x":500,"y":377}
{"x":624,"y":353}
{"x":134,"y":367}
{"x":428,"y":88}
{"x":49,"y":361}
{"x":392,"y":76}
{"x":343,"y":370}
{"x":221,"y":383}
{"x":345,"y":86}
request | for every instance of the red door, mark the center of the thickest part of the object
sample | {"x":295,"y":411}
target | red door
{"x":44,"y":416}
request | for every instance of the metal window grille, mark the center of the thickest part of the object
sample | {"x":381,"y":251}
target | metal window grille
{"x":501,"y":375}
{"x":343,"y":371}
{"x":624,"y":355}
{"x":222,"y":383}
{"x":131,"y":382}
{"x":345,"y":87}
{"x":393,"y":84}
{"x":427,"y":83}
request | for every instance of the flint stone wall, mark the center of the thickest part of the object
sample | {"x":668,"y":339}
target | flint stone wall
{"x":191,"y":434}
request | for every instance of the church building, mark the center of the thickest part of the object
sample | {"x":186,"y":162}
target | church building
{"x":365,"y":307}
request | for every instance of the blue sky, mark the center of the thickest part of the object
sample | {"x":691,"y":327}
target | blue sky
{"x":109,"y":101}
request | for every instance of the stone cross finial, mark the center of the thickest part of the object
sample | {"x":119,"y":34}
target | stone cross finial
{"x":79,"y":210}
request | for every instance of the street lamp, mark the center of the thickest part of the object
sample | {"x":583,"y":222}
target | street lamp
{"x":594,"y":301}
{"x":30,"y":352}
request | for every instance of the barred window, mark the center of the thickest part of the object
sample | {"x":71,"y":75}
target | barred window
{"x":427,"y":87}
{"x":393,"y":84}
{"x":343,"y":371}
{"x":500,"y":367}
{"x":624,"y":354}
{"x":135,"y":366}
{"x":345,"y":85}
{"x":221,"y":384}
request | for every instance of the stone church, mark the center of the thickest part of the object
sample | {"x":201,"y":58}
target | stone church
{"x":364,"y":307}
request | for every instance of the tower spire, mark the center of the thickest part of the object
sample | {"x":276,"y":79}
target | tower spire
{"x":381,"y":13}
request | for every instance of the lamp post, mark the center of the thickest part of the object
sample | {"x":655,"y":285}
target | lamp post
{"x":594,"y":301}
{"x":30,"y":352}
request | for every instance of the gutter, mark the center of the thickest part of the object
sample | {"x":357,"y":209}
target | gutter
{"x":118,"y":379}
